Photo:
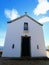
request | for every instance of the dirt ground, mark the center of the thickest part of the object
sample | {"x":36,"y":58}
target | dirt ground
{"x":25,"y":62}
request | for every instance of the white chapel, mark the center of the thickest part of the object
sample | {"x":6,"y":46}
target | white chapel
{"x":24,"y":38}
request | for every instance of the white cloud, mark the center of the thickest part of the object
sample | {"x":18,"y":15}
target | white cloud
{"x":2,"y":42}
{"x":11,"y":14}
{"x":42,"y":7}
{"x":44,"y":19}
{"x":40,"y":1}
{"x":2,"y":38}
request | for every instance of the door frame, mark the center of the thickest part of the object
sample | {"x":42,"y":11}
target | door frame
{"x":29,"y":44}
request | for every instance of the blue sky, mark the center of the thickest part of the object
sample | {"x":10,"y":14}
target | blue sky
{"x":11,"y":9}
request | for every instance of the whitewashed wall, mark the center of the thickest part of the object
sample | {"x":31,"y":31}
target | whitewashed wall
{"x":16,"y":30}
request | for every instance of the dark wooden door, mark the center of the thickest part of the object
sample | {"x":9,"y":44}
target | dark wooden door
{"x":25,"y":47}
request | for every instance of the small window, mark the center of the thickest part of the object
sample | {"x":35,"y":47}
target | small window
{"x":37,"y":46}
{"x":25,"y":26}
{"x":13,"y":46}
